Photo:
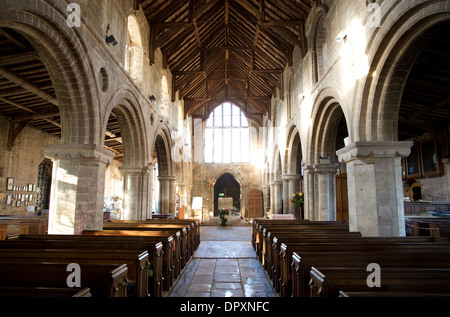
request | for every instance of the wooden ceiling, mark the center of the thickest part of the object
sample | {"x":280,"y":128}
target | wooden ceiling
{"x":226,"y":50}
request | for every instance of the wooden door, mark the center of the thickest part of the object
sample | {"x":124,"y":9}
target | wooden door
{"x":341,"y":198}
{"x":255,"y":204}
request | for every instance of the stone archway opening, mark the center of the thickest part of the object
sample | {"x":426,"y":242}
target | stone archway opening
{"x":228,"y":187}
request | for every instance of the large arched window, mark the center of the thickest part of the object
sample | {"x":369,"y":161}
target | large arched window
{"x":227,"y":136}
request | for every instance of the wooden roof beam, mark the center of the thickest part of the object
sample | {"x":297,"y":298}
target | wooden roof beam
{"x":27,"y":85}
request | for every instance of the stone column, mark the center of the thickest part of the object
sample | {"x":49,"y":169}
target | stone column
{"x":166,"y":191}
{"x":375,"y":194}
{"x":325,"y":196}
{"x":285,"y":194}
{"x":275,"y":189}
{"x":78,"y":187}
{"x":266,"y":197}
{"x":137,"y":200}
{"x":308,"y":182}
{"x":290,"y":187}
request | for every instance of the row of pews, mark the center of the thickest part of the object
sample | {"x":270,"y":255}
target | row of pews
{"x":11,"y":225}
{"x":325,"y":259}
{"x":125,"y":259}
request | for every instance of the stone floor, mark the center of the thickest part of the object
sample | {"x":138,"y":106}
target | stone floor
{"x":224,"y":265}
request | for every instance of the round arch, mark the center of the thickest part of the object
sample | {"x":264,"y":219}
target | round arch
{"x":329,"y":107}
{"x":393,"y":48}
{"x":68,"y":64}
{"x":125,"y":107}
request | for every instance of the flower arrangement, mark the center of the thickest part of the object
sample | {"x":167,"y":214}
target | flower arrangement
{"x":298,"y":199}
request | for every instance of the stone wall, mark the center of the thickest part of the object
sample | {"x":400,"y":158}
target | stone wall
{"x":21,"y":163}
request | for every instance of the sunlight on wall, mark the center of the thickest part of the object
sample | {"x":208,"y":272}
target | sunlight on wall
{"x":62,"y":222}
{"x":305,"y":109}
{"x":354,"y":61}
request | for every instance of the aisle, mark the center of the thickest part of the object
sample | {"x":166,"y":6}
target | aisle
{"x":224,"y":265}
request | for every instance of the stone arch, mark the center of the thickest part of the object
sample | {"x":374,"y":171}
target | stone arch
{"x":318,"y":42}
{"x":237,"y":175}
{"x":325,"y":119}
{"x":393,"y":48}
{"x":67,"y":62}
{"x":162,"y":145}
{"x":125,"y":107}
{"x":163,"y":186}
{"x":328,"y":115}
{"x":293,"y":146}
{"x":136,"y":169}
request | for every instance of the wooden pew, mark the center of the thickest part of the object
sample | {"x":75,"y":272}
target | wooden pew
{"x":137,"y":262}
{"x":193,"y":223}
{"x":186,"y":232}
{"x":273,"y":256}
{"x":257,"y":223}
{"x":36,"y":291}
{"x":391,"y":294}
{"x":328,"y":281}
{"x":312,"y":225}
{"x":103,"y":280}
{"x":303,"y":261}
{"x":22,"y":224}
{"x":269,"y":233}
{"x":178,"y":250}
{"x":3,"y":229}
{"x":120,"y":242}
{"x":154,"y":256}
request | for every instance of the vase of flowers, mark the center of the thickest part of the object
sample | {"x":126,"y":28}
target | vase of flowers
{"x":298,"y":200}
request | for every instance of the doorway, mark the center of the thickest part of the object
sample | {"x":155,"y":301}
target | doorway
{"x":227,"y":186}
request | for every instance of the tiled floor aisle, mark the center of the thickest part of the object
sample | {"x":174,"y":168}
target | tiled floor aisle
{"x":224,"y":265}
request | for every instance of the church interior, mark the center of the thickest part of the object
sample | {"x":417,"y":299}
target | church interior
{"x":329,"y":112}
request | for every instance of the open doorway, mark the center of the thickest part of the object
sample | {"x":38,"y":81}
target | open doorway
{"x":227,"y":186}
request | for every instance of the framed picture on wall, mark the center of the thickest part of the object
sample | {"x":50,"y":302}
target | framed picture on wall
{"x":18,"y":203}
{"x":9,"y":183}
{"x":30,"y":187}
{"x":8,"y":200}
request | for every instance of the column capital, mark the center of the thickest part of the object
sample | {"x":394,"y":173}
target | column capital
{"x":325,"y":169}
{"x":167,"y":178}
{"x":289,"y":177}
{"x":135,"y":169}
{"x":366,"y":150}
{"x":78,"y":151}
{"x":278,"y":182}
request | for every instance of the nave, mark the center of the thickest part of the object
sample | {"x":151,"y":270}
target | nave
{"x":224,"y":265}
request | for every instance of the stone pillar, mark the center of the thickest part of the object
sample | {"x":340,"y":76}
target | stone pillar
{"x":276,"y":196}
{"x":166,"y":192}
{"x":137,"y":200}
{"x":308,"y":183}
{"x":285,"y":194}
{"x":78,"y":187}
{"x":290,"y":187}
{"x":375,"y":194}
{"x":325,"y":188}
{"x":266,"y":197}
